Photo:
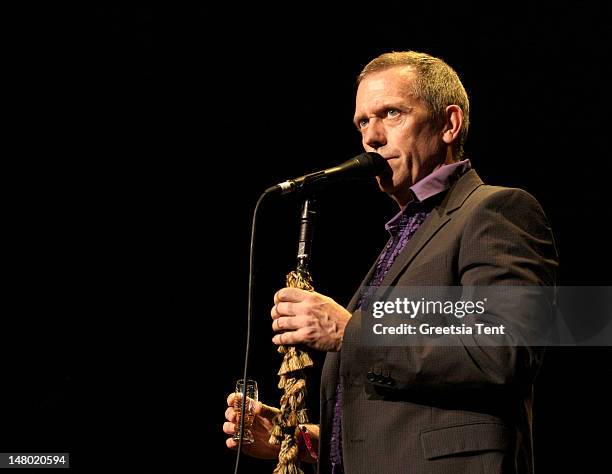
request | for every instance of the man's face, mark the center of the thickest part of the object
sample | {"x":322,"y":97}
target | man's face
{"x":395,"y":124}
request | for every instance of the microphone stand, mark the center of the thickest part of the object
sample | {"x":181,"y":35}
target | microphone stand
{"x":307,"y":218}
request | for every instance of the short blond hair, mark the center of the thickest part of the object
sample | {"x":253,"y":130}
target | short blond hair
{"x":437,"y":84}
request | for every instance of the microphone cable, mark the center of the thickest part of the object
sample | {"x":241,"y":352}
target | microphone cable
{"x":249,"y":318}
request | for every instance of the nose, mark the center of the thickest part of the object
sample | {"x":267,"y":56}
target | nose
{"x":374,"y":135}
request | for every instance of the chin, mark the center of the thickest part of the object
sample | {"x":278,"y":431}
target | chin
{"x":388,"y":188}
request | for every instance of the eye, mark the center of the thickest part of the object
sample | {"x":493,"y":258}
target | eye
{"x":362,"y":123}
{"x":392,"y":113}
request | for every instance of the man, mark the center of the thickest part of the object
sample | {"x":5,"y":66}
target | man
{"x":423,"y":409}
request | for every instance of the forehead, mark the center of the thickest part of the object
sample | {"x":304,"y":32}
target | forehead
{"x":390,"y":83}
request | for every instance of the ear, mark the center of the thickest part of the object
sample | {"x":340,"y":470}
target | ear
{"x":454,"y":121}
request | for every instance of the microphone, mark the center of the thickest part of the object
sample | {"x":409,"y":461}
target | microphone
{"x":365,"y":165}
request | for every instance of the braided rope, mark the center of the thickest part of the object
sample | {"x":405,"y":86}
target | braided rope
{"x":293,"y":401}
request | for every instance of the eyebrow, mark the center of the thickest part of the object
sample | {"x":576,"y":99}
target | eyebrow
{"x":383,"y":106}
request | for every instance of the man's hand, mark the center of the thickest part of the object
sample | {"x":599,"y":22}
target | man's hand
{"x":261,"y":427}
{"x":305,"y":317}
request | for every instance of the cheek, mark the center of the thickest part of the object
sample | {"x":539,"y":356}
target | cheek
{"x":402,"y":135}
{"x":399,"y":170}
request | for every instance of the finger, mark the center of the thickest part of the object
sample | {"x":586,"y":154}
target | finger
{"x":293,"y":295}
{"x":230,"y":399}
{"x":287,"y":309}
{"x":288,"y":323}
{"x":281,"y":339}
{"x":231,"y":415}
{"x":284,"y":309}
{"x":229,"y":428}
{"x":257,"y":407}
{"x":290,"y":338}
{"x":231,"y":443}
{"x":266,"y":411}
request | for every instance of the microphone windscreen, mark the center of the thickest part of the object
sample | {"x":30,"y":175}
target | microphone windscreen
{"x":371,"y":164}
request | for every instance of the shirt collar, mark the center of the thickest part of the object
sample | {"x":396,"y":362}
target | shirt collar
{"x":435,"y":183}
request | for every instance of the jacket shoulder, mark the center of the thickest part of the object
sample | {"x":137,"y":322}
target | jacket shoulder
{"x":503,"y":199}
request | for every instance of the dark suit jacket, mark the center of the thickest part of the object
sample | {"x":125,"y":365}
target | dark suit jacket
{"x":447,"y":409}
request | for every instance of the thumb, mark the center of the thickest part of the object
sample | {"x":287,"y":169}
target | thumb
{"x":264,"y":410}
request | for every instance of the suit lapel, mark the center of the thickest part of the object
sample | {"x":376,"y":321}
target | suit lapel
{"x":438,"y":218}
{"x":352,"y":306}
{"x":329,"y":375}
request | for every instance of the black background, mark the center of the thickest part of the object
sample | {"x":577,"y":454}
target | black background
{"x":144,"y":136}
